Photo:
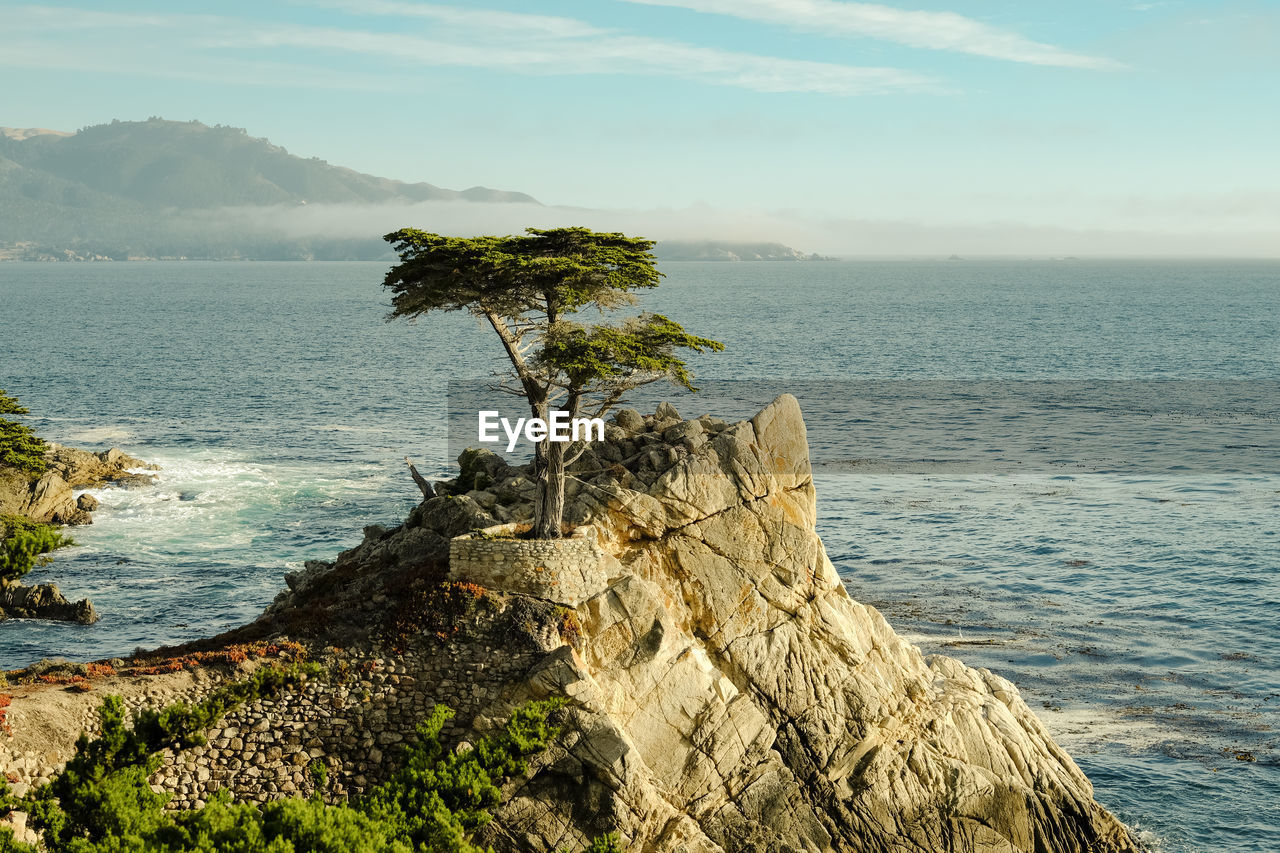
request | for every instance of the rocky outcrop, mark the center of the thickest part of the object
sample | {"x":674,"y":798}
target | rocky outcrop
{"x":44,"y":601}
{"x":51,"y":498}
{"x":83,"y":469}
{"x":734,"y":697}
{"x":727,"y":693}
{"x":724,"y":692}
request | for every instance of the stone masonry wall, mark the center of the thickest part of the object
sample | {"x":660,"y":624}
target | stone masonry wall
{"x":566,"y":571}
{"x":354,"y":724}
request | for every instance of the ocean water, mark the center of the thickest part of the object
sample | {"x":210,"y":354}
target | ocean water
{"x":1067,"y":472}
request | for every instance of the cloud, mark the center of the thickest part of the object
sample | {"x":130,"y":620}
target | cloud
{"x":467,"y":38}
{"x":612,"y":55}
{"x":931,"y":30}
{"x":492,"y":19}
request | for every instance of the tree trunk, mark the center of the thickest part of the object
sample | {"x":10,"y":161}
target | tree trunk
{"x":550,"y":512}
{"x":549,"y":516}
{"x":540,"y":410}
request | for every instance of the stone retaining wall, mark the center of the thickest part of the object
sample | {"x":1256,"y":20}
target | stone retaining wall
{"x":566,"y":571}
{"x":355,"y":723}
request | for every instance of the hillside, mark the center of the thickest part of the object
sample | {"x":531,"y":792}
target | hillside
{"x":20,"y":133}
{"x":191,"y":165}
{"x":167,"y":189}
{"x":137,"y":188}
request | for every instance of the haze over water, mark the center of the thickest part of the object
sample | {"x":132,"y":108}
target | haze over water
{"x":1064,"y":471}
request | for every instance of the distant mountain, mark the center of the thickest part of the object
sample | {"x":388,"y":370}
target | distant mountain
{"x":191,"y":165}
{"x":169,"y":189}
{"x":116,"y":188}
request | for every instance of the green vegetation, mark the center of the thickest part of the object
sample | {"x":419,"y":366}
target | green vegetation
{"x":101,"y":799}
{"x":20,"y":447}
{"x":607,"y":843}
{"x":531,"y":288}
{"x":438,"y":798}
{"x":101,"y":802}
{"x":188,"y":164}
{"x":25,"y":544}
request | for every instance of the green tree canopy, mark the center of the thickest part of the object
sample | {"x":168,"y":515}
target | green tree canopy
{"x":25,"y":544}
{"x":532,"y":289}
{"x":20,"y":447}
{"x":10,"y":405}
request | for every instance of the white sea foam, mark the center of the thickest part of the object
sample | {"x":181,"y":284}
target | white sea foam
{"x":206,"y":504}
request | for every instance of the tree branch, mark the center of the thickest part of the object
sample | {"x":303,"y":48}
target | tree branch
{"x":423,"y":486}
{"x":535,"y":393}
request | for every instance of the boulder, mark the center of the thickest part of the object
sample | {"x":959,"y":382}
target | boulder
{"x":77,"y":517}
{"x":450,"y":516}
{"x":44,"y":601}
{"x":666,"y":412}
{"x":629,"y":420}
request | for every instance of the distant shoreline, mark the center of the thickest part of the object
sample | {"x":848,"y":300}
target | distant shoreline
{"x":939,"y":258}
{"x":712,"y":252}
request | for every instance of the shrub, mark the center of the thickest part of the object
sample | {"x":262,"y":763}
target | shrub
{"x":294,"y":825}
{"x":102,"y":794}
{"x":440,"y":609}
{"x":24,"y":545}
{"x":607,"y":843}
{"x":438,"y":798}
{"x":101,"y":802}
{"x":20,"y":447}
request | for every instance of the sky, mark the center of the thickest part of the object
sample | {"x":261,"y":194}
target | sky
{"x":969,"y":126}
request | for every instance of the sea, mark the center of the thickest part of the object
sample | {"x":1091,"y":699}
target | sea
{"x":1066,"y":471}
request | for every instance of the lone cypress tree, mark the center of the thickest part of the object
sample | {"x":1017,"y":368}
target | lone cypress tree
{"x":531,"y":289}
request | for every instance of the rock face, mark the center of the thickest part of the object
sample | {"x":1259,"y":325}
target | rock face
{"x":737,"y":698}
{"x":727,"y":694}
{"x":724,"y":691}
{"x":52,"y":497}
